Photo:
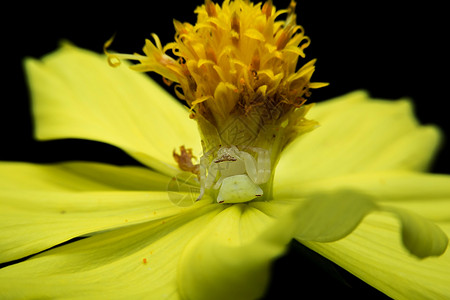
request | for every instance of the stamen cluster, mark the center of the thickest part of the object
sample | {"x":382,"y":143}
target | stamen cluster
{"x":237,"y":62}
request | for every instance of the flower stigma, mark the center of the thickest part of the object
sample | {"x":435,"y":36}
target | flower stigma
{"x":236,"y":69}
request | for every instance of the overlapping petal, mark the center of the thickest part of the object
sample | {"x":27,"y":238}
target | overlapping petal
{"x":326,"y":217}
{"x":43,"y":206}
{"x":116,"y":106}
{"x":420,"y":236}
{"x":330,"y":216}
{"x":427,"y":195}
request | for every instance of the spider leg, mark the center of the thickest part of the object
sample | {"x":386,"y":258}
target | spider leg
{"x":262,"y":165}
{"x":250,"y":165}
{"x":212,"y":174}
{"x":203,"y":164}
{"x":204,"y":182}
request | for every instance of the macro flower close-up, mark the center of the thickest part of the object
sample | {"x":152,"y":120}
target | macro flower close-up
{"x":229,"y":172}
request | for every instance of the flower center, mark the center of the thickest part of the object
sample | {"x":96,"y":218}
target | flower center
{"x":236,"y":68}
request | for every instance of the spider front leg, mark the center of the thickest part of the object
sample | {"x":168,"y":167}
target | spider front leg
{"x":206,"y":180}
{"x":203,"y":166}
{"x":257,"y":169}
{"x":263,"y":165}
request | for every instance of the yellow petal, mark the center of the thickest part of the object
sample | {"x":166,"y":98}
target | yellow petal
{"x":79,"y":176}
{"x":230,"y":259}
{"x":76,"y":94}
{"x":255,"y":34}
{"x":134,"y":262}
{"x":373,"y":252}
{"x":34,"y":221}
{"x":326,"y":217}
{"x":420,"y":236}
{"x":359,"y":134}
{"x":43,"y":206}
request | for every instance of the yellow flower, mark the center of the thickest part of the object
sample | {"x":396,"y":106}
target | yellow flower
{"x":236,"y":69}
{"x":354,"y":190}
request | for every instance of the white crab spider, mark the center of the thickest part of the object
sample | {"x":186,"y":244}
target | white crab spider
{"x":240,"y":174}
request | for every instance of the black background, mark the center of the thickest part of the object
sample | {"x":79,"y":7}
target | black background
{"x":390,"y":48}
